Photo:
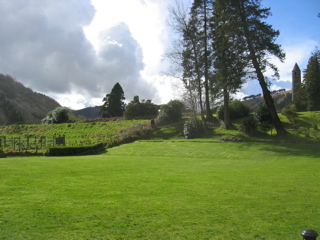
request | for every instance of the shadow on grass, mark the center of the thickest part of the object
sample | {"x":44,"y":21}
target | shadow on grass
{"x":311,"y":150}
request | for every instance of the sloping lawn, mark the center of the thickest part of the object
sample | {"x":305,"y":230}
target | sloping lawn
{"x":164,"y":190}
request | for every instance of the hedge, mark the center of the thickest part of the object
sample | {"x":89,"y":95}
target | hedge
{"x":71,"y":151}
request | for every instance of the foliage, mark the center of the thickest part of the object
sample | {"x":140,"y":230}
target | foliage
{"x":308,"y":97}
{"x":193,"y":53}
{"x":229,"y":55}
{"x":259,"y":41}
{"x":58,"y":115}
{"x":144,"y":109}
{"x":193,"y":128}
{"x":291,"y":113}
{"x":171,"y":112}
{"x":300,"y":100}
{"x":248,"y":126}
{"x":113,"y":105}
{"x":199,"y":43}
{"x":71,"y":151}
{"x":237,"y":110}
{"x":19,"y":104}
{"x":264,"y":119}
{"x":10,"y":111}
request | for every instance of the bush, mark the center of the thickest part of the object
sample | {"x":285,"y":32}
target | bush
{"x":144,"y":109}
{"x":237,"y":110}
{"x":263,"y":118}
{"x":171,"y":112}
{"x":248,"y":126}
{"x":71,"y":151}
{"x":58,"y":115}
{"x":193,"y":128}
{"x":291,"y":113}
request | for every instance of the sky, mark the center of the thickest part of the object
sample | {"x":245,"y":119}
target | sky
{"x":75,"y":51}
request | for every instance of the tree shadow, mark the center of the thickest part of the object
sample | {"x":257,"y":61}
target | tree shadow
{"x":311,"y":150}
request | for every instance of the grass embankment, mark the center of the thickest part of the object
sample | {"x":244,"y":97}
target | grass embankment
{"x":76,"y":134}
{"x":306,"y":128}
{"x":167,"y":190}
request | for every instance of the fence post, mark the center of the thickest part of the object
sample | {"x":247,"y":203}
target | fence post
{"x":309,"y":234}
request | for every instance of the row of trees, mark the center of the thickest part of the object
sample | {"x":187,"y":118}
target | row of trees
{"x":223,"y":42}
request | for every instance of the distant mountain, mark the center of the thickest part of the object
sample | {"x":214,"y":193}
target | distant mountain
{"x":89,"y":112}
{"x":19,"y":104}
{"x":281,"y":100}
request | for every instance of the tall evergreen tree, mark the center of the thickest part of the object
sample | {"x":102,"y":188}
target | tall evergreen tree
{"x":229,"y":53}
{"x":311,"y":82}
{"x":113,"y":105}
{"x":260,"y":45}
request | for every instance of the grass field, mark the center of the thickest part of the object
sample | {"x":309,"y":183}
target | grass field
{"x":164,"y":190}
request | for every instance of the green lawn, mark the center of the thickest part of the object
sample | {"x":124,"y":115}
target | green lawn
{"x":164,"y":190}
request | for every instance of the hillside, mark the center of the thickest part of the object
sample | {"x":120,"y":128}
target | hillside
{"x":19,"y":104}
{"x":89,"y":112}
{"x":281,"y":100}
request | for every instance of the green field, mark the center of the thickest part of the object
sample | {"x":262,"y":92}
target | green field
{"x":164,"y":190}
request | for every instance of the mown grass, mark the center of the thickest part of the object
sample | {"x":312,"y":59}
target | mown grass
{"x":164,"y":190}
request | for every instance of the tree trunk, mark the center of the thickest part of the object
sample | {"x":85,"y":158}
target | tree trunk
{"x":269,"y":100}
{"x":209,"y":116}
{"x":266,"y":93}
{"x":226,"y":115}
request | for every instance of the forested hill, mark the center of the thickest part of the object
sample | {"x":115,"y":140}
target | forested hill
{"x":89,"y":112}
{"x":281,"y":100}
{"x":19,"y":104}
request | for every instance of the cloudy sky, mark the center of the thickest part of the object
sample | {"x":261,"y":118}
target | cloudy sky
{"x":76,"y":50}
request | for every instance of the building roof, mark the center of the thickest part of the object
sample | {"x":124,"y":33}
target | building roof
{"x":296,"y":68}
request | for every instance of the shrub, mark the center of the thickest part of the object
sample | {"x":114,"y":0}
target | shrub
{"x":58,"y":115}
{"x":193,"y":128}
{"x":237,"y":110}
{"x":144,"y":109}
{"x":291,"y":113}
{"x":263,"y":118}
{"x":171,"y":112}
{"x":248,"y":126}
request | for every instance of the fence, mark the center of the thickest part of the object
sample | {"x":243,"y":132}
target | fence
{"x":30,"y":143}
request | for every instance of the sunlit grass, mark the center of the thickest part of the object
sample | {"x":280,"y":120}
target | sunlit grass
{"x":164,"y":190}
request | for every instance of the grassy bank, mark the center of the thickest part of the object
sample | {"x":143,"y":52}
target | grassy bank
{"x":164,"y":190}
{"x":76,"y":134}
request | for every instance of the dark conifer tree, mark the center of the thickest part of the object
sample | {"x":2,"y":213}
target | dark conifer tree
{"x":229,"y":53}
{"x":113,"y":105}
{"x":311,"y":82}
{"x":260,"y":46}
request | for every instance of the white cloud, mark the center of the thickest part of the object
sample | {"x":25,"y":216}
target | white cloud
{"x":299,"y":53}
